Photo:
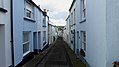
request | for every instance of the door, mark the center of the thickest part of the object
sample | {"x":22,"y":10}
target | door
{"x":35,"y":41}
{"x":2,"y":46}
{"x":39,"y":40}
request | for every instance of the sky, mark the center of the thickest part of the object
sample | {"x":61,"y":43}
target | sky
{"x":57,"y":10}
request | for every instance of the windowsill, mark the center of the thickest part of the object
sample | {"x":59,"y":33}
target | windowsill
{"x":83,"y":20}
{"x":3,"y":10}
{"x":26,"y":53}
{"x":25,"y":18}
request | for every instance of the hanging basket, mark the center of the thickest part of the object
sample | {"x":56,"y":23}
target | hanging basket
{"x":115,"y":64}
{"x":82,"y":52}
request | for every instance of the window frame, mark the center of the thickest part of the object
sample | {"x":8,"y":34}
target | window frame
{"x":83,"y":10}
{"x":26,"y":42}
{"x":30,"y":12}
{"x":2,"y":8}
{"x":83,"y":40}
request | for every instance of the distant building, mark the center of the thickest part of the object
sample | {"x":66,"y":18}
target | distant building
{"x":72,"y":13}
{"x":52,"y":33}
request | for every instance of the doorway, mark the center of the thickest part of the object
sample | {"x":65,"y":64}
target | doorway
{"x":39,"y":40}
{"x":35,"y":42}
{"x":2,"y":46}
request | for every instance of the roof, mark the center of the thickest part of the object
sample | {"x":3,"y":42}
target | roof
{"x":36,"y":6}
{"x":67,"y":17}
{"x":72,"y":5}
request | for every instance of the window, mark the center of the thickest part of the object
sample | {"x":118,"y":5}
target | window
{"x":25,"y":42}
{"x":29,"y":10}
{"x":44,"y":35}
{"x":1,"y":4}
{"x":71,"y":18}
{"x":83,"y":40}
{"x":83,"y":8}
{"x":74,"y":16}
{"x":44,"y":21}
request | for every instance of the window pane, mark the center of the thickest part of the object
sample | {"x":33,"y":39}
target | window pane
{"x":44,"y":21}
{"x":25,"y":36}
{"x":28,"y":13}
{"x":25,"y":47}
{"x":29,"y":10}
{"x":44,"y":35}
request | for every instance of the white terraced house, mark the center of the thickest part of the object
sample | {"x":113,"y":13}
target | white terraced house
{"x":23,"y":31}
{"x":5,"y":33}
{"x":97,"y":31}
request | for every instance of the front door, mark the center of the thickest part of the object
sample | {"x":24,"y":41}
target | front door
{"x":2,"y":46}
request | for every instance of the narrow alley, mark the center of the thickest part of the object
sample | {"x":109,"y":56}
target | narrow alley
{"x":56,"y":56}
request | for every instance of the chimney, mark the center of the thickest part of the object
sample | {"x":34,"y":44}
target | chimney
{"x":45,"y":11}
{"x":39,"y":6}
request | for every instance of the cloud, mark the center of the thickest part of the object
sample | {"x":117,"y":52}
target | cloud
{"x":58,"y":9}
{"x":59,"y":15}
{"x":59,"y":22}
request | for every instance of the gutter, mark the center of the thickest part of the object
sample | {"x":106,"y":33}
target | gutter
{"x":12,"y":44}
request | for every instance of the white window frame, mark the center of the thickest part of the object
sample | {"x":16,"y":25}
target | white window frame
{"x":27,"y":42}
{"x":28,"y":11}
{"x":83,"y":9}
{"x":83,"y":40}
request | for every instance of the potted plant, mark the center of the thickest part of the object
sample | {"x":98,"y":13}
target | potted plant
{"x":82,"y":52}
{"x":115,"y":64}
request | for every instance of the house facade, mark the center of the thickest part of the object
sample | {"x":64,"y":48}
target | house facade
{"x":102,"y":31}
{"x":72,"y":25}
{"x":67,"y":31}
{"x":52,"y":33}
{"x":97,"y":31}
{"x":5,"y":33}
{"x":30,"y":28}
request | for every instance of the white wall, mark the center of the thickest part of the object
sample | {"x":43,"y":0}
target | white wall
{"x":72,"y":26}
{"x":6,"y":38}
{"x":96,"y":32}
{"x":112,"y":31}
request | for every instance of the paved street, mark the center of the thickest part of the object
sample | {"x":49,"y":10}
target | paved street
{"x":57,"y":57}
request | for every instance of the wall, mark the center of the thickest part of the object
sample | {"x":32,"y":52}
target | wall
{"x":72,"y":27}
{"x":18,"y":17}
{"x":112,"y":31}
{"x":6,"y":25}
{"x":96,"y":33}
{"x":19,"y":25}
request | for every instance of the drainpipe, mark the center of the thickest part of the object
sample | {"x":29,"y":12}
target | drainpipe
{"x":12,"y":44}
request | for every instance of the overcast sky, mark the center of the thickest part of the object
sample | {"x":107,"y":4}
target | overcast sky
{"x":58,"y":9}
